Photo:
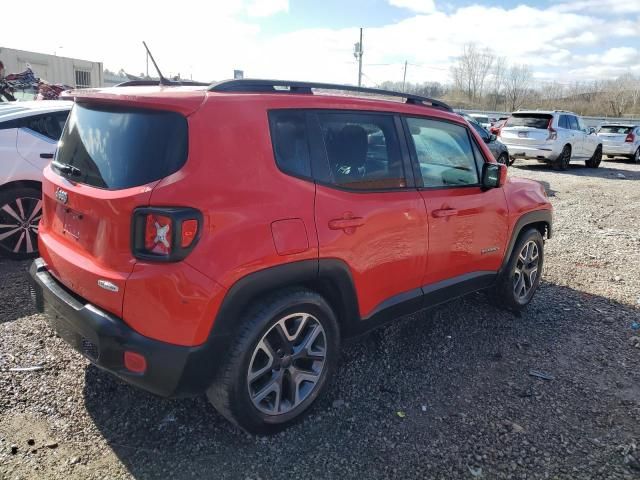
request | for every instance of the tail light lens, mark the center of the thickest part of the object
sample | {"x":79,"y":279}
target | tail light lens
{"x":553,"y":134}
{"x":630,"y":138}
{"x":165,"y":234}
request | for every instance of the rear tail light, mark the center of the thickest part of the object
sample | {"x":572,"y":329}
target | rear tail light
{"x":134,"y":362}
{"x":630,"y":138}
{"x":553,"y":134}
{"x":165,"y":234}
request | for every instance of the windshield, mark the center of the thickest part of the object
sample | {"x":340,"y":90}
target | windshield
{"x":116,"y":148}
{"x":615,"y":129}
{"x":533,"y":120}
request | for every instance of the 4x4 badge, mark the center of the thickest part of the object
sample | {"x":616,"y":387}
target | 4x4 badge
{"x":61,"y":196}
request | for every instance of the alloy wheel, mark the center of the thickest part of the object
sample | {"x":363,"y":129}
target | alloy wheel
{"x":19,"y":225}
{"x":287,"y":364}
{"x":526,"y":270}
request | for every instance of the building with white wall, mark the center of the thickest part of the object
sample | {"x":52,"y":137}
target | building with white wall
{"x":54,"y":69}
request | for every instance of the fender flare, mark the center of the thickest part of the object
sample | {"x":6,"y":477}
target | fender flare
{"x":535,"y":217}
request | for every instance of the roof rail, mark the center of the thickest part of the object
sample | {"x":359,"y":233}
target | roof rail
{"x":176,"y":83}
{"x":250,"y":85}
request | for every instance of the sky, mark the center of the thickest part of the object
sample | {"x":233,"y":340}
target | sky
{"x":561,"y":40}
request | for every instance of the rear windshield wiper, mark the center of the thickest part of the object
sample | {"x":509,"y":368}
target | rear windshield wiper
{"x":66,"y":168}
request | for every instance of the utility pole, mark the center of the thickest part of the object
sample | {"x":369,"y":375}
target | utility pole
{"x":404,"y":77}
{"x":357,"y":52}
{"x":147,"y":64}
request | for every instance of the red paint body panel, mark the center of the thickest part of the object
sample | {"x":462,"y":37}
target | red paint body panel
{"x":289,"y":236}
{"x":172,"y":302}
{"x":387,"y":254}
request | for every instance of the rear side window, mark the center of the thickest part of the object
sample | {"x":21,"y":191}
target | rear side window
{"x":290,"y":142}
{"x":616,"y":129}
{"x":116,"y":148}
{"x":563,"y":122}
{"x":50,"y":125}
{"x":363,"y":151}
{"x":533,"y":120}
{"x":444,"y":153}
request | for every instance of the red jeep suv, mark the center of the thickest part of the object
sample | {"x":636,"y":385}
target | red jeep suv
{"x":223,"y":239}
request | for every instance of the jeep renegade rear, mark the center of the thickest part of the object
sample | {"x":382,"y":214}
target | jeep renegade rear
{"x":224,"y":239}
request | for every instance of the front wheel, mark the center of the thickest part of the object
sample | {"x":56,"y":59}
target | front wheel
{"x":279,"y":363}
{"x":520,"y":279}
{"x":596,"y":158}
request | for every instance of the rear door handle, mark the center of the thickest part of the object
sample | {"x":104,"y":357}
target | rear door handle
{"x":346,"y":223}
{"x":46,"y":155}
{"x":444,"y":212}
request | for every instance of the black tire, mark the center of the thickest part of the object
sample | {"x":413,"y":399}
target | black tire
{"x":504,"y":159}
{"x":229,"y":393}
{"x":596,"y":158}
{"x":636,"y":156}
{"x":512,"y":160}
{"x":563,"y":160}
{"x":504,"y":292}
{"x":20,"y":211}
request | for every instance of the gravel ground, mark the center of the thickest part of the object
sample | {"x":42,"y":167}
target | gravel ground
{"x":447,"y":394}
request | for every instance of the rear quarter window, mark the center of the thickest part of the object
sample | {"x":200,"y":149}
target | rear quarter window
{"x":116,"y":148}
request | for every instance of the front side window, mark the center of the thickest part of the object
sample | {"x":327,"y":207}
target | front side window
{"x":573,"y":122}
{"x":363,"y":151}
{"x":290,"y":143}
{"x":444,"y":153}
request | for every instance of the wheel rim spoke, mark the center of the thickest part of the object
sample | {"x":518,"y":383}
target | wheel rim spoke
{"x":525,"y":272}
{"x":287,"y":364}
{"x":35,"y":213}
{"x":7,"y":208}
{"x":9,"y":233}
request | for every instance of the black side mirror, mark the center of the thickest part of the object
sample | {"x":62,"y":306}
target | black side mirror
{"x":492,"y":138}
{"x":493,"y":175}
{"x":591,"y":130}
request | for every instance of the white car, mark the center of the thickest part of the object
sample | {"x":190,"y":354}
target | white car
{"x":485,"y":120}
{"x":555,"y":136}
{"x":620,"y":140}
{"x":29,"y":134}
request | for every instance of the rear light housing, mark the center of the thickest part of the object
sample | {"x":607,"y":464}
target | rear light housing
{"x":630,"y":138}
{"x":165,"y":234}
{"x":553,"y":134}
{"x":134,"y":362}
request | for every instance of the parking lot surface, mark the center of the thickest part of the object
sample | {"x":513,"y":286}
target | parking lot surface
{"x":462,"y":391}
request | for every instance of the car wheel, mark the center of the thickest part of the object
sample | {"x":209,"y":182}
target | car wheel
{"x":20,"y":212}
{"x":596,"y":158}
{"x":636,"y":156}
{"x":279,"y":363}
{"x":520,"y":279}
{"x":562,"y":162}
{"x":504,"y":159}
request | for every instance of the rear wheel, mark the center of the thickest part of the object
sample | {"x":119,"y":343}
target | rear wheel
{"x":562,"y":162}
{"x":512,"y":160}
{"x":503,"y":158}
{"x":20,"y":212}
{"x":280,"y":362}
{"x":520,"y":278}
{"x":596,"y":158}
{"x":636,"y":156}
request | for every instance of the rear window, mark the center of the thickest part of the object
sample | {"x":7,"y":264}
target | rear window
{"x":533,"y":120}
{"x":116,"y":148}
{"x":616,"y":129}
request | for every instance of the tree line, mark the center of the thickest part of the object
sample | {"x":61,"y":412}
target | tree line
{"x":484,"y":81}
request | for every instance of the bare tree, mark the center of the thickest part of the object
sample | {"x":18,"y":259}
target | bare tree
{"x":498,"y":80}
{"x":517,"y":85}
{"x":471,"y":69}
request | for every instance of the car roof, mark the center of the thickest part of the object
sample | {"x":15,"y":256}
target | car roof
{"x":544,"y":112}
{"x":14,"y":110}
{"x":627,"y":125}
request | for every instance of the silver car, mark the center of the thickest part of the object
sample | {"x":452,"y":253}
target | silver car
{"x":620,"y":139}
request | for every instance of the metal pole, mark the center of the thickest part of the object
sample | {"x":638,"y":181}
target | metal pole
{"x":147,"y":64}
{"x":360,"y":61}
{"x":404,"y":78}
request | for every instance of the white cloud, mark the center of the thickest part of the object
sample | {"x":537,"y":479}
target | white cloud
{"x":418,"y":6}
{"x":266,"y":8}
{"x":599,"y":6}
{"x":621,"y":56}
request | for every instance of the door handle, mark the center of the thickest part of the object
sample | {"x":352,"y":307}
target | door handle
{"x":444,"y":212}
{"x":46,"y":155}
{"x":346,"y":223}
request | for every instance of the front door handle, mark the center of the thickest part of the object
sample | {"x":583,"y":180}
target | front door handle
{"x":444,"y":212}
{"x":46,"y":155}
{"x":348,"y":223}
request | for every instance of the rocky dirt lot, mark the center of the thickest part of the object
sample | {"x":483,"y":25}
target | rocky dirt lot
{"x":448,"y":394}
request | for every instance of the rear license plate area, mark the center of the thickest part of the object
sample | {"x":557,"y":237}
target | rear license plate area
{"x":522,"y":134}
{"x":72,"y":222}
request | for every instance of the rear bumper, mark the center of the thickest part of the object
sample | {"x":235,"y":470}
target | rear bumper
{"x":613,"y":149}
{"x":532,"y":152}
{"x":103,"y":338}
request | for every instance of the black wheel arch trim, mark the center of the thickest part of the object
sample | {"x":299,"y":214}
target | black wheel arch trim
{"x":536,"y":217}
